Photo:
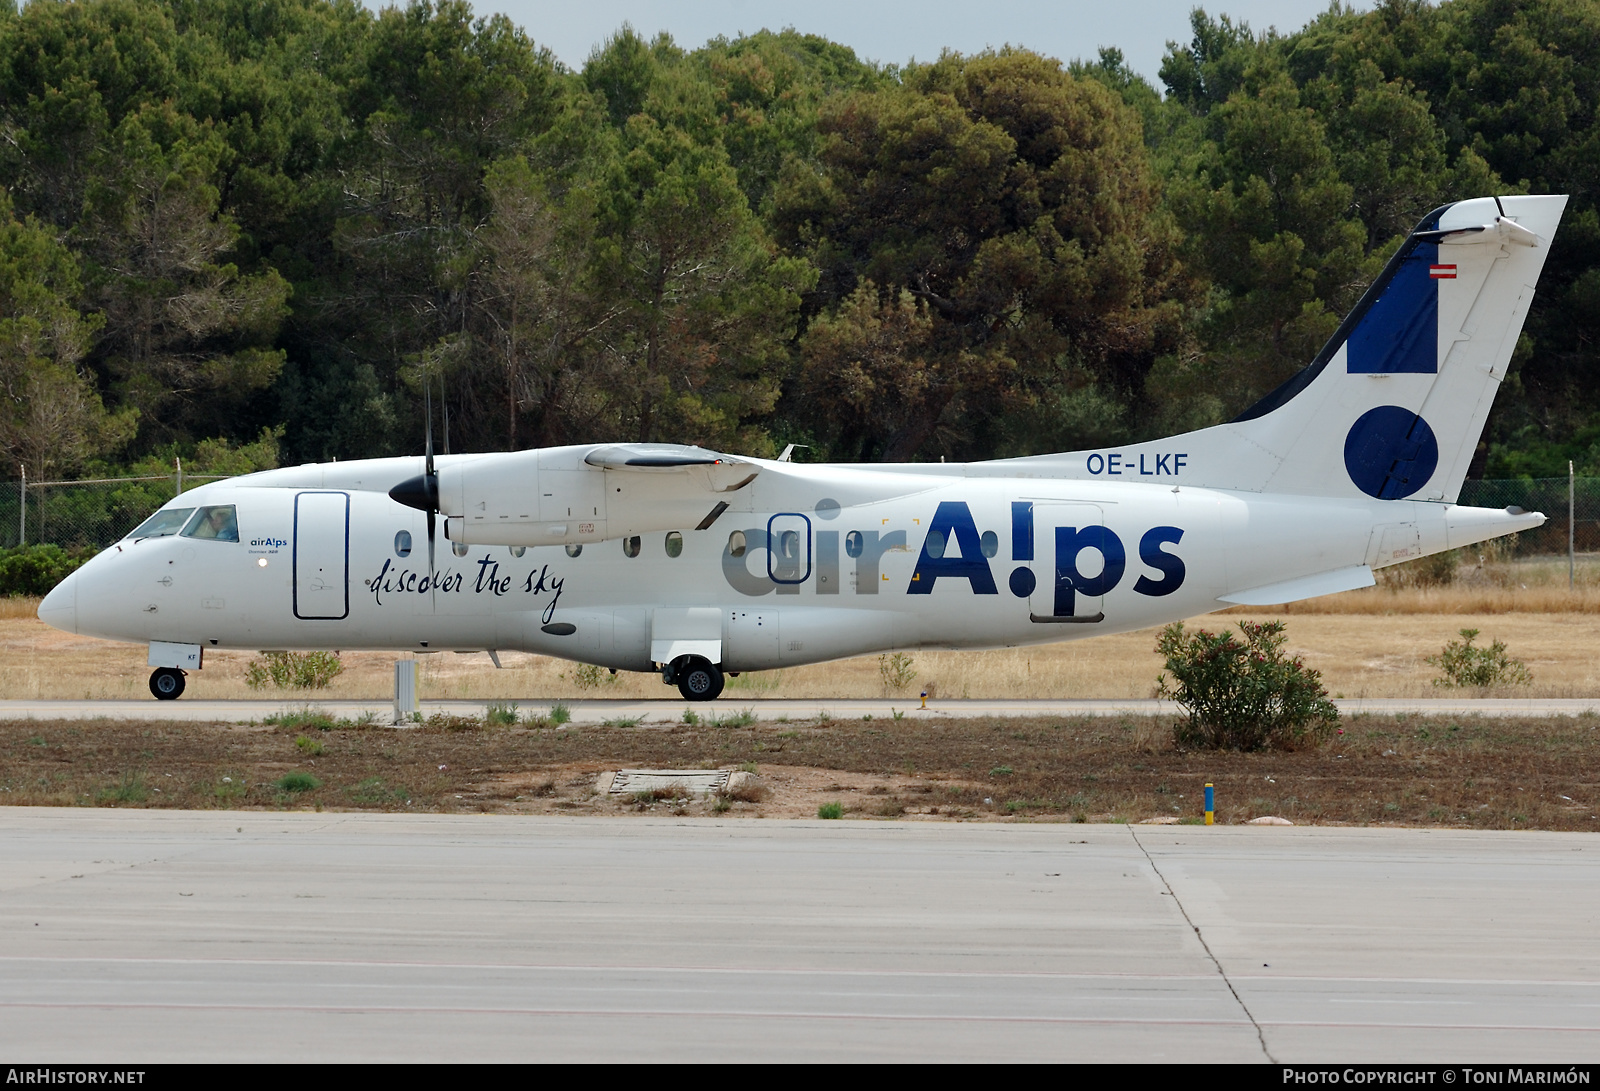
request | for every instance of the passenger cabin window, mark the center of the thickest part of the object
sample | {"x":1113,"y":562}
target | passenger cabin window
{"x":459,"y":548}
{"x":517,"y":551}
{"x":789,"y":545}
{"x":574,"y":549}
{"x":630,"y":546}
{"x":853,"y":543}
{"x":217,"y":523}
{"x":935,"y":544}
{"x":674,"y":543}
{"x":163,"y":523}
{"x":402,"y":544}
{"x":989,"y":543}
{"x":736,"y":544}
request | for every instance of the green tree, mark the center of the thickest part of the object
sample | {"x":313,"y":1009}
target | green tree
{"x":51,"y":417}
{"x":1015,"y":203}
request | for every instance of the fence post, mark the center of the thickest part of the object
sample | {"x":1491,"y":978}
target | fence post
{"x":22,"y":509}
{"x":178,"y":476}
{"x":1572,"y":511}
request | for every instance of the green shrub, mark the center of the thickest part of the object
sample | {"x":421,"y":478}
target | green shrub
{"x":1464,"y":665}
{"x":298,"y":782}
{"x":501,"y":714}
{"x":293,"y":670}
{"x":35,"y":569}
{"x":831,"y":810}
{"x":560,"y":713}
{"x":307,"y":745}
{"x":1243,"y":696}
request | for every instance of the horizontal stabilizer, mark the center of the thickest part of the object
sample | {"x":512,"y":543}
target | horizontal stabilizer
{"x":1306,"y":587}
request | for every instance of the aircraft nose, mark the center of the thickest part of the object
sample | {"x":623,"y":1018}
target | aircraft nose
{"x":60,"y":607}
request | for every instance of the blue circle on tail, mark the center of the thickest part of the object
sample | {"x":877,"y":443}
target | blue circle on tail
{"x":1390,"y":452}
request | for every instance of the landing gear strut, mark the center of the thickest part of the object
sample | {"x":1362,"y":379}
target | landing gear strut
{"x":698,"y":680}
{"x":167,"y":683}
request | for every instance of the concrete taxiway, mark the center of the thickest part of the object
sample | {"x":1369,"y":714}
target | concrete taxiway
{"x":664,"y":710}
{"x":148,"y":936}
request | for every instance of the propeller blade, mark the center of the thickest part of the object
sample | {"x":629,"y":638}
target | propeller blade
{"x":430,"y":548}
{"x":427,"y":398}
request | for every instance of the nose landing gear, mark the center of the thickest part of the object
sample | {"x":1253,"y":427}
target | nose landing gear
{"x":166,"y":683}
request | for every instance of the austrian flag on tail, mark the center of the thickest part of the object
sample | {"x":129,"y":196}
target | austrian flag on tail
{"x":1442,"y":272}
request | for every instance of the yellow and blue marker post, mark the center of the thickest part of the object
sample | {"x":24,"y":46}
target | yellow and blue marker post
{"x":1211,"y":804}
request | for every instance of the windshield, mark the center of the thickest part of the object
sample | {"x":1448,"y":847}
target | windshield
{"x":215,"y":522}
{"x":162,"y":523}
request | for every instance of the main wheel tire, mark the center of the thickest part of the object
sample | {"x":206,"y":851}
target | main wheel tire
{"x":166,"y":683}
{"x":698,"y":680}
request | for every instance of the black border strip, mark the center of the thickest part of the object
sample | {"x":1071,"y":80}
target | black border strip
{"x":1304,"y":377}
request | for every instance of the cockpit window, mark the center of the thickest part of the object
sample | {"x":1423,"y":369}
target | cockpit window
{"x":216,"y":522}
{"x":162,"y":523}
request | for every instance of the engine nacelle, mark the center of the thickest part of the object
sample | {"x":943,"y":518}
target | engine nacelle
{"x":566,"y":495}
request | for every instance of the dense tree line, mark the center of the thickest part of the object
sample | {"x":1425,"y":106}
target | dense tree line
{"x":245,"y":230}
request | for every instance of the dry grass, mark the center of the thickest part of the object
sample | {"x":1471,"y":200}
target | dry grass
{"x":1358,"y":654}
{"x":1469,"y":772}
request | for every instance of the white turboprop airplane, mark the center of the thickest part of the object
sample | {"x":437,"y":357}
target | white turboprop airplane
{"x":655,"y":557}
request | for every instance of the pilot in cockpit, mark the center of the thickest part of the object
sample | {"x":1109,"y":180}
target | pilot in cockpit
{"x":216,"y":522}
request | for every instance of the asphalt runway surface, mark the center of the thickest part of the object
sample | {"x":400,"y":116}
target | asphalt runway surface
{"x":146,"y":936}
{"x":663,"y":710}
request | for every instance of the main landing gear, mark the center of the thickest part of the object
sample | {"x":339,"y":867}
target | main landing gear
{"x":167,"y":683}
{"x":697,"y":678}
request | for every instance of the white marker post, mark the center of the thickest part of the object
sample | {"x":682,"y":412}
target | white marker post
{"x":405,"y":690}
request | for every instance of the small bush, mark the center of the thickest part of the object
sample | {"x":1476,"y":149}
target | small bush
{"x":298,"y":782}
{"x":1243,"y":696}
{"x":831,"y":810}
{"x":307,"y":745}
{"x":501,"y":714}
{"x":589,"y":676}
{"x":560,"y":713}
{"x":1464,"y":665}
{"x":896,"y":671}
{"x":743,"y":718}
{"x":293,"y":670}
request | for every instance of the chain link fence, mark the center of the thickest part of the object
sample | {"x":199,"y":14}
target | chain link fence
{"x":95,"y":513}
{"x":89,"y":514}
{"x":1550,"y":496}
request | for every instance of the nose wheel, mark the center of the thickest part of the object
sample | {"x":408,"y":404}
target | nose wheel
{"x":166,"y":683}
{"x":699,"y":680}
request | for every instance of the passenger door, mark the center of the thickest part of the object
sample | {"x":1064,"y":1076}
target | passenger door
{"x":322,"y":556}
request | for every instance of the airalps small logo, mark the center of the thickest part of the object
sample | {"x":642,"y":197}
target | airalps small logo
{"x":274,"y":543}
